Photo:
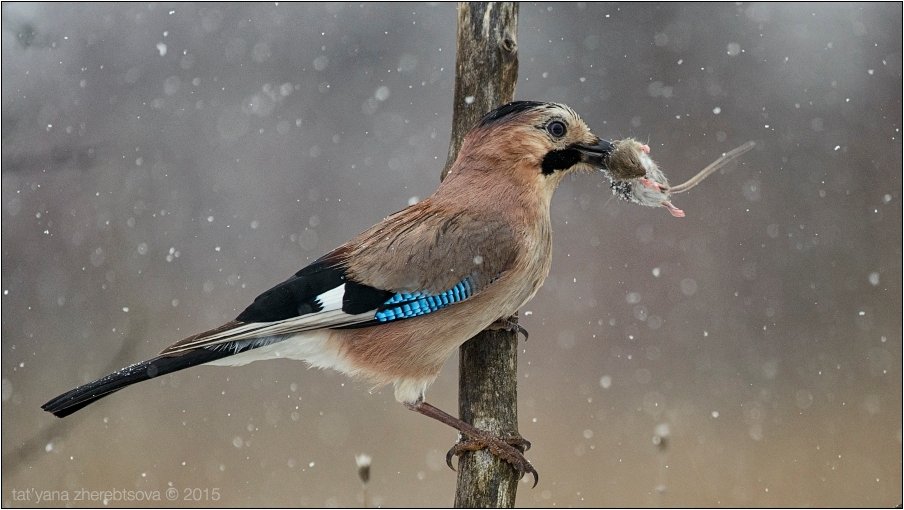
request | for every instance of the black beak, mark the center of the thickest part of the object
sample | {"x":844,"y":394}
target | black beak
{"x":596,"y":155}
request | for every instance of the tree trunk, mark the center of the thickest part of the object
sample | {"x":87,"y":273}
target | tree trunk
{"x":486,"y":72}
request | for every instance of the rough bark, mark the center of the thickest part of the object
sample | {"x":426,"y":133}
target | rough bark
{"x":486,"y":72}
{"x":486,"y":65}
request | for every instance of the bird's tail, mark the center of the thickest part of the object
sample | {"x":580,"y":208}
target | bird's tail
{"x":73,"y":400}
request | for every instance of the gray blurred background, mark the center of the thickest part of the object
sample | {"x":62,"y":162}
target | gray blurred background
{"x":163,"y":164}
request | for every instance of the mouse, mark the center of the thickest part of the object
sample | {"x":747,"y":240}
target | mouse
{"x":635,"y":177}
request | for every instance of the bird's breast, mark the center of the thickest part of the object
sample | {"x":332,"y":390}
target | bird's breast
{"x":415,"y":349}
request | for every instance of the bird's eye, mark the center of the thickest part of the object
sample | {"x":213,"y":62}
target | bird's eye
{"x":556,"y":128}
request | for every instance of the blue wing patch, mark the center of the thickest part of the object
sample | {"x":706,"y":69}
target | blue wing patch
{"x":405,"y":305}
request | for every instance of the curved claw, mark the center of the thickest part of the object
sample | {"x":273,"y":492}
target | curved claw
{"x":497,"y":447}
{"x":518,"y":442}
{"x":506,"y":324}
{"x":526,"y":467}
{"x":449,"y":454}
{"x":465,"y":445}
{"x":523,"y":331}
{"x":532,"y":471}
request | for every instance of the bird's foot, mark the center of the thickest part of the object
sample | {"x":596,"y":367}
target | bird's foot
{"x":509,"y":448}
{"x":507,"y":324}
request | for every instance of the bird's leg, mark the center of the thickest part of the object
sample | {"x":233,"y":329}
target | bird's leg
{"x":507,"y":324}
{"x":510,"y":449}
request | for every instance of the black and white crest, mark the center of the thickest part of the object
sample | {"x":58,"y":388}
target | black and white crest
{"x":511,"y":109}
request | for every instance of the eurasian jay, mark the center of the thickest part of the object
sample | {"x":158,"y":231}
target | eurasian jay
{"x":393,"y":303}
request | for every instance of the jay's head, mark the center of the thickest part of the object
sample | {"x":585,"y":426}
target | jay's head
{"x":535,"y":143}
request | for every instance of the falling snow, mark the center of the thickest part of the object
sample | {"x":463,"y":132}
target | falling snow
{"x":164,"y":165}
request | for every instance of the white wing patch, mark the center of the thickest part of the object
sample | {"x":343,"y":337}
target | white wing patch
{"x":331,"y":299}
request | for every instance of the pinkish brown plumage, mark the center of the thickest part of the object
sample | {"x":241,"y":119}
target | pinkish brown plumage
{"x":393,"y":303}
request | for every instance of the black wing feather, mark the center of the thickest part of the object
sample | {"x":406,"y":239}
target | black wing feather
{"x":298,"y":295}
